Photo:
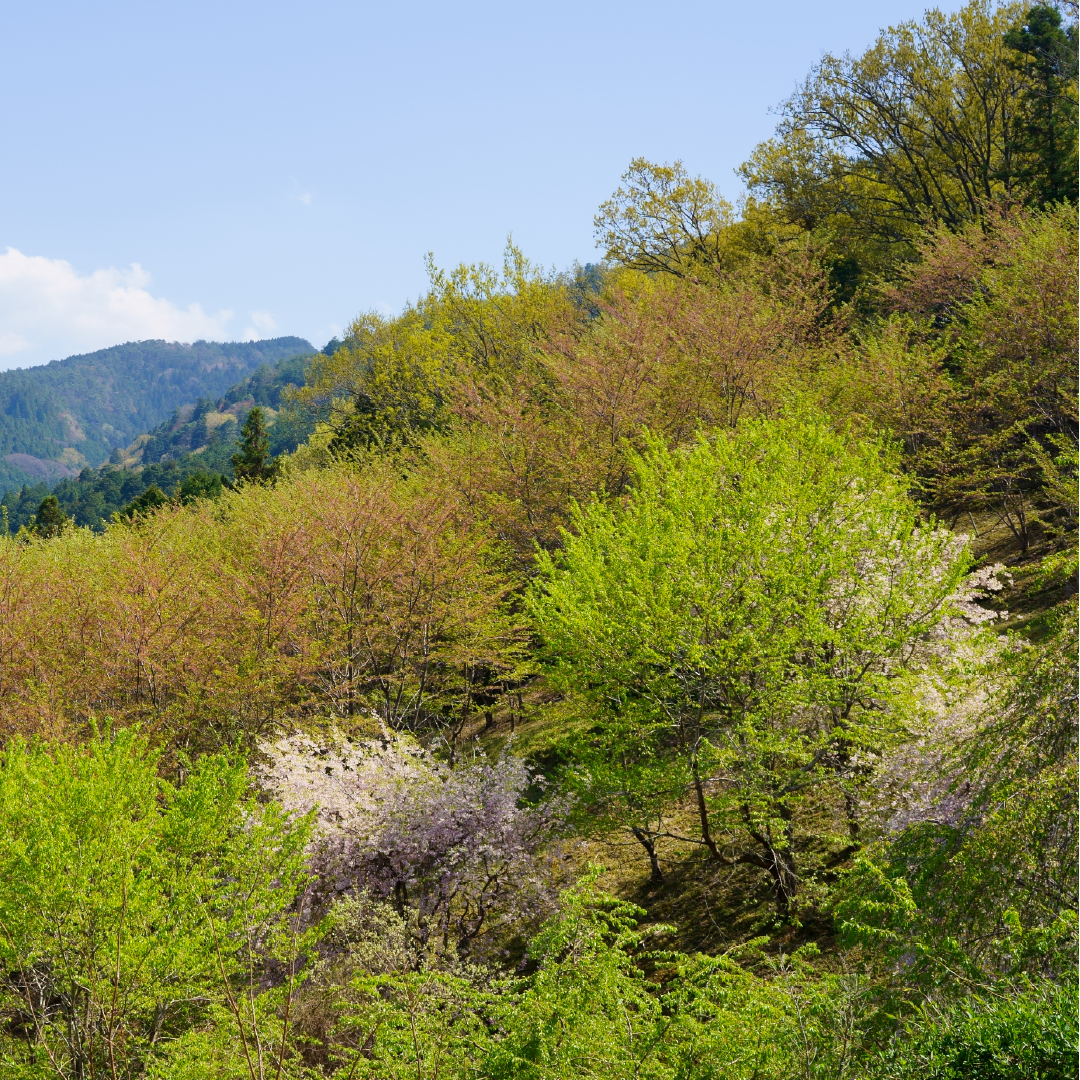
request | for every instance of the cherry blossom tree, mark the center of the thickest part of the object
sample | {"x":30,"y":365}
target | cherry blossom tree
{"x":458,"y":851}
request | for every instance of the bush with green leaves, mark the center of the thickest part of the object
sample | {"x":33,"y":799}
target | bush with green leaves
{"x":1008,"y":1035}
{"x":602,"y":1003}
{"x":133,"y":909}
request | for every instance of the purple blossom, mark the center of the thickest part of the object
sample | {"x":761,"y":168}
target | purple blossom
{"x":455,"y":850}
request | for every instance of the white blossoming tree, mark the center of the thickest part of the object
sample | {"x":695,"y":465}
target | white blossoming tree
{"x":456,"y":850}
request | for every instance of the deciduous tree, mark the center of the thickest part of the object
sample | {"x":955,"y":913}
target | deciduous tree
{"x":741,"y":629}
{"x":130,"y":907}
{"x":917,"y":130}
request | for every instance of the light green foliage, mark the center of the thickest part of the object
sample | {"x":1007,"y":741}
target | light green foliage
{"x":982,"y":885}
{"x":588,"y":1011}
{"x":389,"y":1002}
{"x":664,"y":220}
{"x":497,"y":320}
{"x":741,"y":628}
{"x":475,"y":333}
{"x":384,"y":386}
{"x":601,"y":1004}
{"x":129,"y":906}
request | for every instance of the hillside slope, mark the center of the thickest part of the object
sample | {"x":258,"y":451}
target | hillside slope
{"x":61,"y":417}
{"x":198,"y":437}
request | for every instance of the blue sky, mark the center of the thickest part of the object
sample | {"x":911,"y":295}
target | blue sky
{"x":230,"y":170}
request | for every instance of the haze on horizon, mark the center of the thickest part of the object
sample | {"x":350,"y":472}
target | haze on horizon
{"x":238,"y":170}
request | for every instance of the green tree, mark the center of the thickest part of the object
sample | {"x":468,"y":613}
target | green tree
{"x":386,"y":385}
{"x":253,"y":463}
{"x":1045,"y":129}
{"x":917,"y":130}
{"x":663,"y":220}
{"x":1028,"y":1034}
{"x":131,"y":907}
{"x":999,"y":300}
{"x":49,"y":520}
{"x":589,"y":1011}
{"x":199,"y":485}
{"x":741,"y":629}
{"x":149,"y":501}
{"x":394,"y":381}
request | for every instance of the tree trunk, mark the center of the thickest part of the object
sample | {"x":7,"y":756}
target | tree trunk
{"x":784,"y":870}
{"x":649,"y":844}
{"x":703,"y":816}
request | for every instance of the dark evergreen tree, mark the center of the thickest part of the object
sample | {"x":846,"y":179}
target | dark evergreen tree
{"x":254,"y":463}
{"x":49,"y":520}
{"x":147,"y":502}
{"x":199,"y":485}
{"x":1045,"y":131}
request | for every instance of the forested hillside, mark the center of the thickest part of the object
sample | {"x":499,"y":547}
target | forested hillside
{"x":663,"y":669}
{"x":197,"y":441}
{"x":59,"y":418}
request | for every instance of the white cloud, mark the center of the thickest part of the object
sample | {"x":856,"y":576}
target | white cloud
{"x":49,"y":310}
{"x":300,"y":194}
{"x":263,"y":324}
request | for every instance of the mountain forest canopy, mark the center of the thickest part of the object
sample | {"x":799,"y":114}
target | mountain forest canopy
{"x":190,"y":451}
{"x":664,"y":668}
{"x":72,"y":413}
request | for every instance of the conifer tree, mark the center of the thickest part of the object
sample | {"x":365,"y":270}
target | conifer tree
{"x":147,"y":502}
{"x":1045,"y":130}
{"x":50,"y":519}
{"x":254,"y":463}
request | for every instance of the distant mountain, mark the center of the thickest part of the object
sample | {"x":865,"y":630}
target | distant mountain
{"x":206,"y":431}
{"x":199,"y":437}
{"x":59,"y":418}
